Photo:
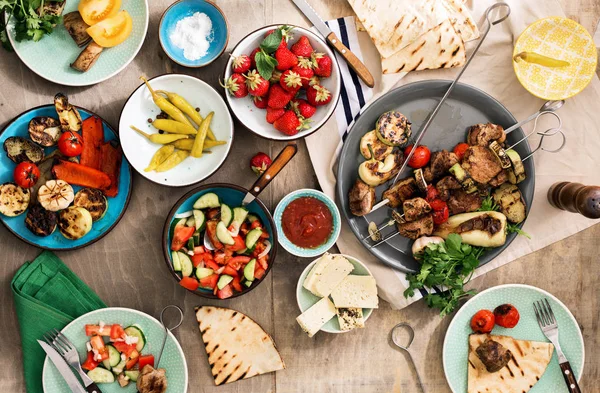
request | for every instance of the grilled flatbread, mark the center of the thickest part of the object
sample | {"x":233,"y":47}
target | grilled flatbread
{"x":528,"y":363}
{"x":440,"y":47}
{"x":237,"y":347}
{"x":461,"y":19}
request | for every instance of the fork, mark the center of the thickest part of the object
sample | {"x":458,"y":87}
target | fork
{"x":68,"y":351}
{"x":549,"y":326}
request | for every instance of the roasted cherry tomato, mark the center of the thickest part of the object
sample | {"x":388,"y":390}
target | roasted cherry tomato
{"x":460,"y":150}
{"x":70,"y":144}
{"x":506,"y":316}
{"x":482,"y":321}
{"x":432,"y":193}
{"x":420,"y":158}
{"x":93,"y":11}
{"x":441,"y":216}
{"x":26,"y":174}
{"x":112,"y":31}
{"x":437,"y":204}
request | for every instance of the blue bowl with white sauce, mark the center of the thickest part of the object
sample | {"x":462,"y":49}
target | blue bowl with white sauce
{"x":193,"y":33}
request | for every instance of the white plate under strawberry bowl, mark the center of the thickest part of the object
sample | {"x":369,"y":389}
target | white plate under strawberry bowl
{"x":254,"y":118}
{"x":140,"y":108}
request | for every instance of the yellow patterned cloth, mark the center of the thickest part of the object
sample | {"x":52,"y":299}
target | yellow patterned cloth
{"x":559,"y":38}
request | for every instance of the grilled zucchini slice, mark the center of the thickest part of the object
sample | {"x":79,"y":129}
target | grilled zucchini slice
{"x":380,"y":150}
{"x":511,"y":202}
{"x":393,"y":129}
{"x":92,"y":200}
{"x":39,"y":221}
{"x":74,"y":222}
{"x":14,"y":200}
{"x":20,"y":149}
{"x":70,"y":119}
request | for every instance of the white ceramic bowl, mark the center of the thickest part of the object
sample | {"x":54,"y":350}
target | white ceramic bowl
{"x":254,"y":118}
{"x":140,"y":107}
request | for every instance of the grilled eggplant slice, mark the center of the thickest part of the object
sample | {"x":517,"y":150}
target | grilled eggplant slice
{"x":20,"y":149}
{"x":76,"y":27}
{"x":14,"y":200}
{"x":511,"y":202}
{"x":44,"y":130}
{"x":393,"y":129}
{"x":70,"y":119}
{"x":92,"y":200}
{"x":74,"y":222}
{"x":87,"y":58}
{"x":40,"y":221}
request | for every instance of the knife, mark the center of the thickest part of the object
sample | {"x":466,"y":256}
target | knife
{"x":63,"y":368}
{"x":353,"y":61}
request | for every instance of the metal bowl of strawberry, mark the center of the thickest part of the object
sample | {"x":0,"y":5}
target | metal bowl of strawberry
{"x":217,"y":247}
{"x":282,"y":82}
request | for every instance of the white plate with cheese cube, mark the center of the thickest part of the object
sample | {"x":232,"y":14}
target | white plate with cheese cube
{"x":336,"y":293}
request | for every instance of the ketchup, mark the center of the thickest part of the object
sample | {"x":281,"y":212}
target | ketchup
{"x":307,"y":222}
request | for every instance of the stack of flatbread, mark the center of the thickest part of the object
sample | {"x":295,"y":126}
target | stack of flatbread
{"x":237,"y":347}
{"x":413,"y":35}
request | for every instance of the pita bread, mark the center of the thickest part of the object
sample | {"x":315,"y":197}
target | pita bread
{"x":237,"y":347}
{"x":440,"y":47}
{"x":461,"y":19}
{"x":529,"y":361}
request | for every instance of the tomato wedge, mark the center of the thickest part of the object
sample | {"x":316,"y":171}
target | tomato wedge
{"x":210,"y":281}
{"x":122,"y":347}
{"x":111,"y":31}
{"x":146,"y":359}
{"x":94,"y":11}
{"x":236,"y":284}
{"x":209,"y":263}
{"x":259,"y":272}
{"x":116,"y":331}
{"x":238,"y":245}
{"x":133,"y":359}
{"x":230,"y":271}
{"x":225,"y":292}
{"x":181,"y":235}
{"x":90,"y":363}
{"x":237,"y":262}
{"x":189,"y":283}
{"x":94,"y":330}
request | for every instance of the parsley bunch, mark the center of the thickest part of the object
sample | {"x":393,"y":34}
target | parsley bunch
{"x":29,"y":24}
{"x":448,"y":265}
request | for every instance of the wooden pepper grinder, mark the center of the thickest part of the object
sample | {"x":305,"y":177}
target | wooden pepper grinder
{"x":576,"y":198}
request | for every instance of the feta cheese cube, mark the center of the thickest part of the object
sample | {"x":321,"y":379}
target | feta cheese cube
{"x":313,"y":319}
{"x":327,"y":273}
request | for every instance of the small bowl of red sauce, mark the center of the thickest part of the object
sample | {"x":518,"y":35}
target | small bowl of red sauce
{"x":308,"y":223}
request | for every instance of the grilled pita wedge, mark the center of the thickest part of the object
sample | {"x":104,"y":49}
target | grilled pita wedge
{"x":440,"y":47}
{"x":528,"y":363}
{"x":237,"y":347}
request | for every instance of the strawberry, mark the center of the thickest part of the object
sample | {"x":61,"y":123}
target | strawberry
{"x":304,"y":69}
{"x":290,"y":81}
{"x":302,"y":47}
{"x":260,"y":162}
{"x":274,"y":114}
{"x":285,"y":58}
{"x":257,"y":85}
{"x":323,"y":64}
{"x":303,"y":108}
{"x":290,"y":123}
{"x":278,"y":97}
{"x":252,"y":59}
{"x":241,"y":64}
{"x":236,"y":85}
{"x":315,"y":80}
{"x":318,"y":95}
{"x":286,"y":35}
{"x":260,"y":102}
{"x":275,"y":76}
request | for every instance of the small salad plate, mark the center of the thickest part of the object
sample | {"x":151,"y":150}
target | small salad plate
{"x":152,"y":332}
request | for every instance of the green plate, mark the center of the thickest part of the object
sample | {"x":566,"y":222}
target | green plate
{"x":52,"y":56}
{"x":172,"y":359}
{"x":456,"y":345}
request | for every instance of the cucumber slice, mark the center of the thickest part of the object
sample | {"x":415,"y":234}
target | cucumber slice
{"x":202,"y":272}
{"x":207,"y":200}
{"x":223,"y":234}
{"x":252,"y":237}
{"x":199,"y":220}
{"x":176,"y":262}
{"x":226,"y":214}
{"x":186,"y":264}
{"x":239,"y":216}
{"x":190,"y":244}
{"x":249,"y":270}
{"x":198,"y":239}
{"x":118,"y":369}
{"x":224,"y":280}
{"x":132,"y":374}
{"x":114,"y":357}
{"x":101,"y":375}
{"x":106,"y":364}
{"x":134,"y":331}
{"x":190,"y":222}
{"x":251,"y":218}
{"x":248,"y":283}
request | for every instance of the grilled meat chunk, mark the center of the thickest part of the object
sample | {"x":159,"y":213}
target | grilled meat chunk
{"x":481,"y":163}
{"x":493,"y":355}
{"x":415,"y":229}
{"x":446,"y":185}
{"x":152,"y":380}
{"x":415,"y":208}
{"x":40,"y":221}
{"x":401,"y":191}
{"x":427,"y":174}
{"x":362,"y":198}
{"x":461,"y":202}
{"x":483,"y":134}
{"x":500,"y":179}
{"x":441,"y":161}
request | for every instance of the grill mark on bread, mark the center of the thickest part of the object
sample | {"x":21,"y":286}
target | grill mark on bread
{"x":455,"y":50}
{"x":519,"y":349}
{"x":510,"y":371}
{"x":418,"y":48}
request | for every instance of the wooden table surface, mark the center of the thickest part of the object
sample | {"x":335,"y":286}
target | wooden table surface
{"x":126,"y":268}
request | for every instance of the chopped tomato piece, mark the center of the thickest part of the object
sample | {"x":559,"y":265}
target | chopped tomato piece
{"x":199,"y":250}
{"x":94,"y":330}
{"x":220,"y":258}
{"x":238,"y":245}
{"x":116,"y":331}
{"x":97,"y":343}
{"x":225,"y":292}
{"x":264,"y":235}
{"x":197,"y":259}
{"x":236,"y":284}
{"x":210,"y":281}
{"x":146,"y":359}
{"x":259,"y":272}
{"x":432,"y":193}
{"x":90,"y":363}
{"x":258,"y":249}
{"x":180,"y":236}
{"x":237,"y":262}
{"x":263,"y":262}
{"x":123,"y":347}
{"x":212,"y":213}
{"x":244,"y":228}
{"x":211,"y":265}
{"x":133,"y":359}
{"x":189,"y":283}
{"x":255,"y":224}
{"x":211,"y":230}
{"x":230,"y":271}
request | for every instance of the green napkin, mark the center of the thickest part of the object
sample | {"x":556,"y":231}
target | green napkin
{"x":47,"y":295}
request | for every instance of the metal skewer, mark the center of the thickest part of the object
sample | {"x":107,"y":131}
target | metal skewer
{"x":549,"y":106}
{"x":167,"y":329}
{"x":432,"y":115}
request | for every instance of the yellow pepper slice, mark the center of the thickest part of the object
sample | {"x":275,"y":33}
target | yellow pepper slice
{"x":186,"y":144}
{"x":172,"y":161}
{"x":159,"y":157}
{"x":161,"y":139}
{"x":182,"y":104}
{"x":536,"y":58}
{"x":200,"y":136}
{"x":174,"y":127}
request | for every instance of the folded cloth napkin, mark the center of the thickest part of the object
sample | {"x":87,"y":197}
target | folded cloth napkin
{"x":47,"y":295}
{"x":491,"y":70}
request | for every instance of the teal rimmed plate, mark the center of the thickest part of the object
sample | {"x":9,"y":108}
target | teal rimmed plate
{"x":300,"y":251}
{"x":172,"y":359}
{"x":56,"y":241}
{"x":51,"y":57}
{"x":456,"y":346}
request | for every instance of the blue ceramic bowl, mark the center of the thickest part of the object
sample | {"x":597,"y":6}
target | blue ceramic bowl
{"x":300,"y":251}
{"x":182,"y":9}
{"x":56,"y":241}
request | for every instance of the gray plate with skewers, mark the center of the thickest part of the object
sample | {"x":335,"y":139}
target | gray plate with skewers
{"x":465,"y":107}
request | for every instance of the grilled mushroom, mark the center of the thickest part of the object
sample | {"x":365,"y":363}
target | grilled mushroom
{"x":76,"y":27}
{"x":87,"y":58}
{"x":44,"y":130}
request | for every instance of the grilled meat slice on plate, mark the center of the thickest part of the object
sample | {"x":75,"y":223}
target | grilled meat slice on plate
{"x":415,"y":208}
{"x":461,"y":202}
{"x":446,"y":185}
{"x":481,"y":163}
{"x":362,"y":198}
{"x":483,"y":134}
{"x":401,"y":191}
{"x":493,"y":355}
{"x":440,"y":162}
{"x":415,"y":229}
{"x":500,"y":179}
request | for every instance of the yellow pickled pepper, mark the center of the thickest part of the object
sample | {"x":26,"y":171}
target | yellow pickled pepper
{"x":187,"y":144}
{"x":164,"y":105}
{"x":201,"y":136}
{"x":172,"y":161}
{"x":182,"y":104}
{"x":161,"y":139}
{"x":174,"y":127}
{"x":159,"y":157}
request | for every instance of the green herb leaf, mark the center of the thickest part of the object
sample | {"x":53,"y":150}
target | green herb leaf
{"x":488,"y":205}
{"x":265,"y":64}
{"x":272,"y":41}
{"x":514,"y":228}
